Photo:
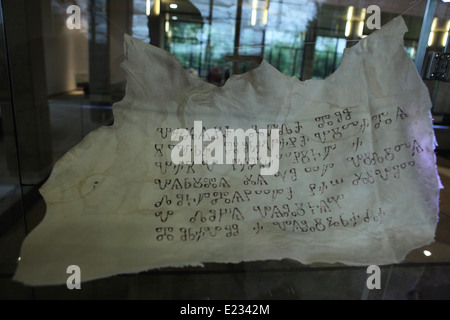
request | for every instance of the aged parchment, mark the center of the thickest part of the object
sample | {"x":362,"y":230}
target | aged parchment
{"x":357,"y":181}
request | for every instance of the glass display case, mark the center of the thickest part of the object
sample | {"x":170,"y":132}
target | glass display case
{"x":61,"y":73}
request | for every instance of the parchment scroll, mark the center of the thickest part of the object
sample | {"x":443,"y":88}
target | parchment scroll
{"x":356,"y":180}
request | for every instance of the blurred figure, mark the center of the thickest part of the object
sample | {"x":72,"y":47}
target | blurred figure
{"x":214,"y":75}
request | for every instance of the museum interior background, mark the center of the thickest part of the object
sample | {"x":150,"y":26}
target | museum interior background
{"x":58,"y":84}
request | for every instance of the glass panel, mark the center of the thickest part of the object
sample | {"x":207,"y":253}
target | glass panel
{"x":12,"y":223}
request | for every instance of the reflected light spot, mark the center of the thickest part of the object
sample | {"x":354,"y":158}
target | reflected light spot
{"x":433,"y":26}
{"x":147,"y":8}
{"x":253,"y":17}
{"x":173,"y":6}
{"x":426,"y":253}
{"x":266,"y":13}
{"x":254,"y":7}
{"x":76,"y":92}
{"x":174,"y":18}
{"x":167,"y":26}
{"x":348,"y":28}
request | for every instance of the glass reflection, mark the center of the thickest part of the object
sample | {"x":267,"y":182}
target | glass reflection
{"x":12,"y":231}
{"x":214,"y":38}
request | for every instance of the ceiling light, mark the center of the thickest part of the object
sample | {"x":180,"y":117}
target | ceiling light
{"x":173,"y":6}
{"x":445,"y":39}
{"x":253,"y":20}
{"x":350,"y":13}
{"x":427,"y":253}
{"x":348,"y":28}
{"x":265,"y":15}
{"x":157,"y":7}
{"x":363,"y":13}
{"x":433,"y":25}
